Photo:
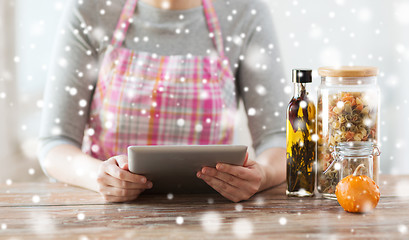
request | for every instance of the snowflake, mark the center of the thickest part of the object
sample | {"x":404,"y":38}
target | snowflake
{"x":364,"y":15}
{"x":337,"y":166}
{"x":242,"y":228}
{"x":62,"y":62}
{"x":95,"y":148}
{"x":180,"y":122}
{"x":303,"y":104}
{"x":108,"y":124}
{"x":314,"y":137}
{"x":90,"y":132}
{"x":80,"y":216}
{"x":56,"y":131}
{"x":282,"y":221}
{"x":261,"y":90}
{"x":331,"y":14}
{"x":165,"y":5}
{"x":238,"y":207}
{"x":73,"y":91}
{"x":402,"y":229}
{"x":211,"y":222}
{"x":287,"y":89}
{"x":401,"y":12}
{"x":315,"y":32}
{"x":9,"y":182}
{"x":179,"y":220}
{"x":251,"y":112}
{"x":35,"y":199}
{"x":331,"y":56}
{"x":198,"y":127}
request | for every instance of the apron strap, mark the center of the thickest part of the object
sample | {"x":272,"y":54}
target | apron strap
{"x":123,"y":23}
{"x":214,"y":27}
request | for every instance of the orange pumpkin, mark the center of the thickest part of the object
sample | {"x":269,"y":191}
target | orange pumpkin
{"x":357,"y":193}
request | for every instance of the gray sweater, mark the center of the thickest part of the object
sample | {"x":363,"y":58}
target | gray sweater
{"x":87,"y":27}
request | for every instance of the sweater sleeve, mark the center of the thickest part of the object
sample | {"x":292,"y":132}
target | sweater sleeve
{"x":260,"y":81}
{"x":71,"y":79}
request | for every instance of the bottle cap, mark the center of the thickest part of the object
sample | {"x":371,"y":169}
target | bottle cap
{"x":302,"y":75}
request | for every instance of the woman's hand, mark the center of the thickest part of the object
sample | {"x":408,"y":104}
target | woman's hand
{"x":117,"y":184}
{"x":236,"y":183}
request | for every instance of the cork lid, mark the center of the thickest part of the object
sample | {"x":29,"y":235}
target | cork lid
{"x":348,"y":71}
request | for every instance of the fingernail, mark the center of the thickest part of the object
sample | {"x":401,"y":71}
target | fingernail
{"x":204,"y":170}
{"x":219,"y":166}
{"x":143,"y":180}
{"x":150,"y":185}
{"x":198,"y":174}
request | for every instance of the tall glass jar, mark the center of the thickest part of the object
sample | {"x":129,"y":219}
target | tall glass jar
{"x":348,"y":110}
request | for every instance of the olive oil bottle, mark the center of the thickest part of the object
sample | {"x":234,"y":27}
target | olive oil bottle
{"x":301,"y":145}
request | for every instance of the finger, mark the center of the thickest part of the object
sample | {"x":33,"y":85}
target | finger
{"x":125,"y":175}
{"x":122,"y":161}
{"x":238,"y":171}
{"x":226,"y":177}
{"x":120,"y":192}
{"x":223,"y":188}
{"x":245,"y":160}
{"x":114,"y":182}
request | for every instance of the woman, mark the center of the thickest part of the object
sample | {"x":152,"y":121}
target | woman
{"x":154,"y":72}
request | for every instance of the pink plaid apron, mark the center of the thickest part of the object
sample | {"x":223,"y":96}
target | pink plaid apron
{"x":146,"y":99}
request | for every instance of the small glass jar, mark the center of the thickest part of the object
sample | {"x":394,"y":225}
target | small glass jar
{"x":348,"y":110}
{"x":354,"y":158}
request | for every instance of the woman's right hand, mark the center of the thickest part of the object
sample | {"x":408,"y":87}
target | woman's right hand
{"x":117,"y":184}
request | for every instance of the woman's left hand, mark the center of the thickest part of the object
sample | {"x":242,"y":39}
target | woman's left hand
{"x":236,"y":183}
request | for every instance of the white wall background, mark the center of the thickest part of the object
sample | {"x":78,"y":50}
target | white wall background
{"x":312,"y":33}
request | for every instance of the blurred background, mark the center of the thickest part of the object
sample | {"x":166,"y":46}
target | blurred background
{"x":311,"y":33}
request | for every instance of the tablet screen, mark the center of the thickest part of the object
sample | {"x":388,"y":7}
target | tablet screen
{"x":172,"y":169}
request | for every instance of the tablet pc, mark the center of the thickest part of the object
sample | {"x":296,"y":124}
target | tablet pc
{"x":172,"y":169}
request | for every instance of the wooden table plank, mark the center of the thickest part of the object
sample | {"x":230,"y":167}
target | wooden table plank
{"x":267,"y":215}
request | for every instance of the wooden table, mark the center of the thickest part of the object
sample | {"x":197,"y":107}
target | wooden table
{"x":58,"y":211}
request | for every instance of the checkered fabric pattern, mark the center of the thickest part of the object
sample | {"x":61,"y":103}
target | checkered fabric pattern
{"x":146,"y":99}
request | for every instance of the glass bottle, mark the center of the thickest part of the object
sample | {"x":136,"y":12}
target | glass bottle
{"x":348,"y":110}
{"x":354,"y":157}
{"x":300,"y":130}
